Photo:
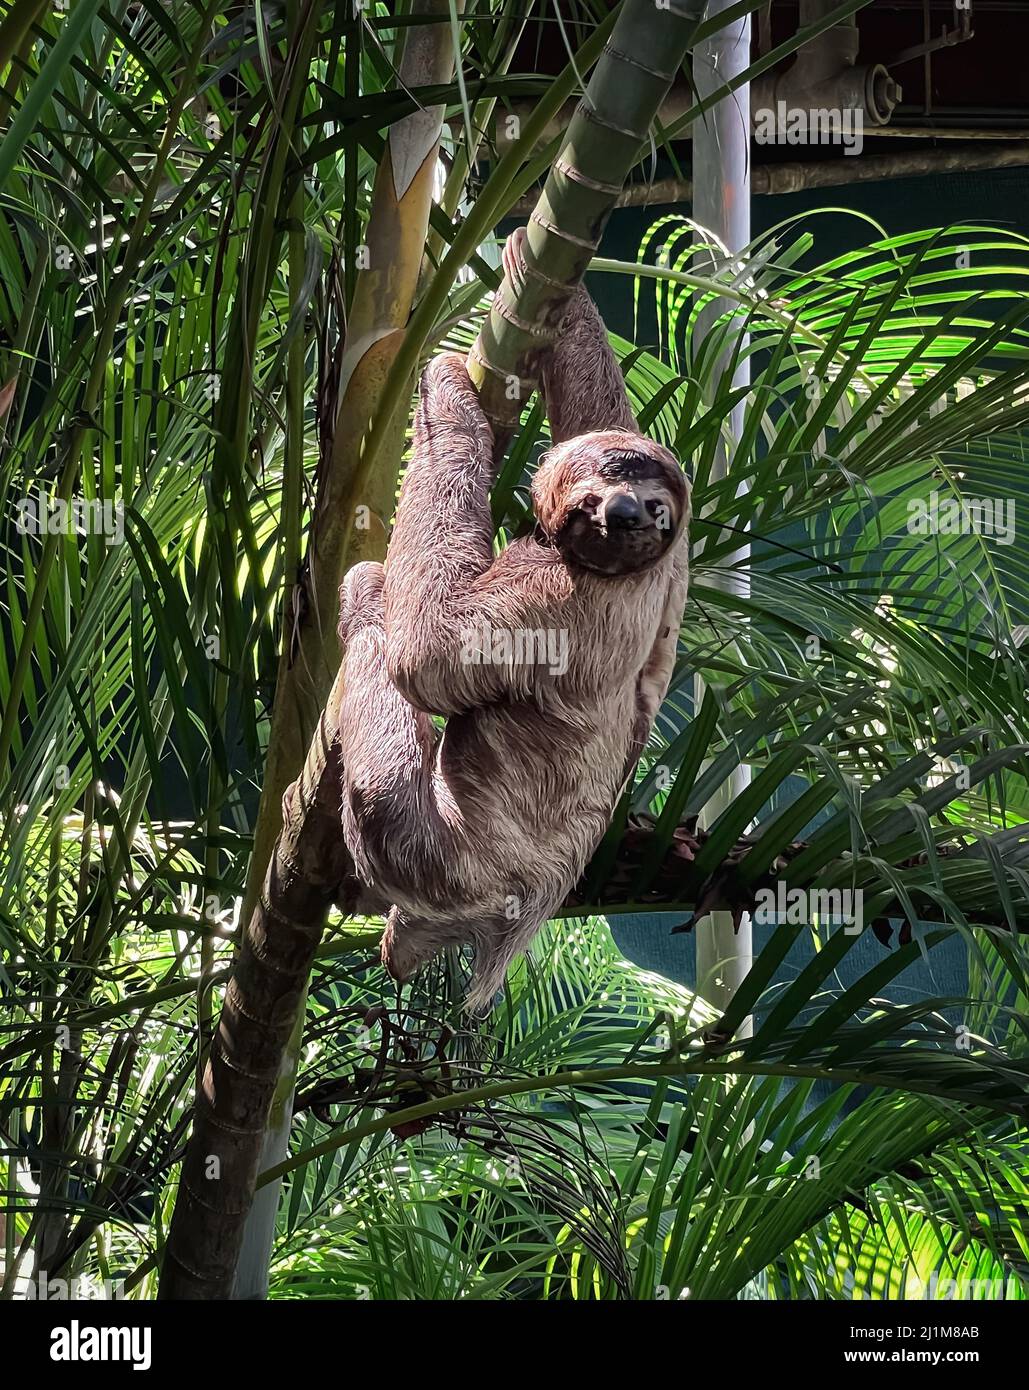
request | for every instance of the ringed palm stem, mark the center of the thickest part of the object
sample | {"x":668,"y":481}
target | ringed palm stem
{"x":631,"y":79}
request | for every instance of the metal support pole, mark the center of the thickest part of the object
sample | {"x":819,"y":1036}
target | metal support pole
{"x":721,"y":204}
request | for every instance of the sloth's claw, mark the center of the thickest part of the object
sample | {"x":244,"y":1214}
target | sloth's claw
{"x":513,"y":259}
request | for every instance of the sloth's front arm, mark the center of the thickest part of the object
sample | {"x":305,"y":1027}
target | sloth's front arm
{"x":439,"y":598}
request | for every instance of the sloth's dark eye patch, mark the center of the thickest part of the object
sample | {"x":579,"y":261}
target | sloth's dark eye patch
{"x":631,"y":467}
{"x":591,"y":500}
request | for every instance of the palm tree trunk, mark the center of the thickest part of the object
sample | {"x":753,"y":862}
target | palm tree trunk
{"x":201,"y":1254}
{"x":262,"y":1002}
{"x":308,"y":864}
{"x":384,"y":294}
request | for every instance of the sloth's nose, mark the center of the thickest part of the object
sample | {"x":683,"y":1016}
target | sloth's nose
{"x":623,"y":512}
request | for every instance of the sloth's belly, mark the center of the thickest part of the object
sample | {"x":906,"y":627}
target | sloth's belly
{"x":533,"y":794}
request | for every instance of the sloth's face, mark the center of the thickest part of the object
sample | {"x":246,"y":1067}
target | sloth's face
{"x":619,"y":508}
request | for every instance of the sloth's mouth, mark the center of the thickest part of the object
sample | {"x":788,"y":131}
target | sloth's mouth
{"x":611,"y":550}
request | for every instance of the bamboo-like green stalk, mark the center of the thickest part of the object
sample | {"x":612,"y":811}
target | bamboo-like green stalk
{"x":491,"y":205}
{"x":602,"y":143}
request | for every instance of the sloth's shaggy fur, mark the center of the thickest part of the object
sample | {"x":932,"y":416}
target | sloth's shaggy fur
{"x":476,"y":834}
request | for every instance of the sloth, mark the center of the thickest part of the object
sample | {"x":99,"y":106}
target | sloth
{"x":548,"y":661}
